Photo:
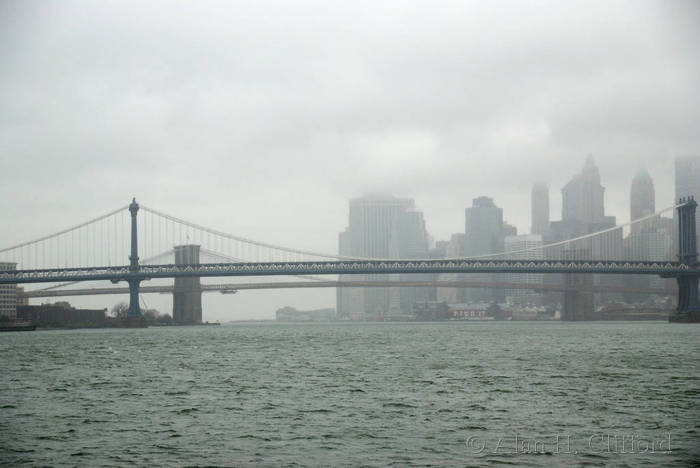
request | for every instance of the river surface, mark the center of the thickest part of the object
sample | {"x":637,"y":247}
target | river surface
{"x":376,"y":394}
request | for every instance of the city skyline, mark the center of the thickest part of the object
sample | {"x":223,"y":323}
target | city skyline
{"x":328,"y":233}
{"x":554,"y":203}
{"x":264,"y":119}
{"x":379,"y":227}
{"x":409,"y":206}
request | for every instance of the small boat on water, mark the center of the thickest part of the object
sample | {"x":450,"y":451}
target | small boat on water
{"x":16,"y":326}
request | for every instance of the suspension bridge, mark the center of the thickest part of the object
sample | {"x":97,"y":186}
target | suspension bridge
{"x":93,"y":251}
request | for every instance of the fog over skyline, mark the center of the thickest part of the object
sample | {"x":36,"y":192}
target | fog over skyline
{"x":263,"y":119}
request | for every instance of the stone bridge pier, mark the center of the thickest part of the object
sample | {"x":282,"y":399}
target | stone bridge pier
{"x":688,"y":309}
{"x":578,"y":301}
{"x":187,"y":292}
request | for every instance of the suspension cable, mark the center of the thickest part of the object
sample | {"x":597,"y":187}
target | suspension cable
{"x":575,"y":239}
{"x":248,"y":241}
{"x":59,"y":233}
{"x":343,"y":257}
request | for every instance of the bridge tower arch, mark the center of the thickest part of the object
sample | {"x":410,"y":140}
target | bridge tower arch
{"x":688,"y":309}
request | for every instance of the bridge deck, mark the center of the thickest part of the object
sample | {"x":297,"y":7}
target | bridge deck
{"x":234,"y":287}
{"x":347,"y":268}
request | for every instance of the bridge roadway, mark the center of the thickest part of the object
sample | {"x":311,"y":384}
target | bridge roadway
{"x":230,"y":288}
{"x":144,"y":272}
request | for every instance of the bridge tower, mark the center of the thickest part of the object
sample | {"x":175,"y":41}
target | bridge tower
{"x":134,"y":279}
{"x":688,"y":309}
{"x":187,"y":292}
{"x":578,"y":300}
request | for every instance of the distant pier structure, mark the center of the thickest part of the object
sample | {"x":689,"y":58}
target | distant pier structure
{"x":187,"y":293}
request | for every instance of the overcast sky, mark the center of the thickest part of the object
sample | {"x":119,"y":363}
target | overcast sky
{"x":263,"y":118}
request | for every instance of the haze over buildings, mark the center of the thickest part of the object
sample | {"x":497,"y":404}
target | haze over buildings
{"x":381,"y":227}
{"x":483,"y":236}
{"x":687,"y":182}
{"x":526,"y":245}
{"x":264,"y":118}
{"x":540,"y":209}
{"x":390,"y":227}
{"x":642,"y":195}
{"x":583,"y":205}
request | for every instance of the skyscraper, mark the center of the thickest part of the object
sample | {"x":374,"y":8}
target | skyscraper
{"x":524,"y":247}
{"x":583,"y":212}
{"x":583,"y":209}
{"x":642,"y":198}
{"x":413,"y":243}
{"x":540,"y":209}
{"x":583,"y":197}
{"x":484,"y":235}
{"x":642,"y":234}
{"x":453,"y":249}
{"x":380,"y":227}
{"x":688,"y":176}
{"x":483,"y":227}
{"x":509,"y":229}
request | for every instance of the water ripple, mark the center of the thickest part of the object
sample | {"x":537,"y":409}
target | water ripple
{"x":352,"y":394}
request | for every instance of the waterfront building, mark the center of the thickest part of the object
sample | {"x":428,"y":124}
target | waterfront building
{"x":8,"y":295}
{"x":509,"y":229}
{"x":61,"y":314}
{"x":522,"y":247}
{"x":21,"y":298}
{"x":431,"y":310}
{"x":290,"y":314}
{"x":470,"y":312}
{"x":381,"y":227}
{"x":483,"y":236}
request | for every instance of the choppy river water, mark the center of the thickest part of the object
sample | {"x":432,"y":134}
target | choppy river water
{"x":350,"y":394}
